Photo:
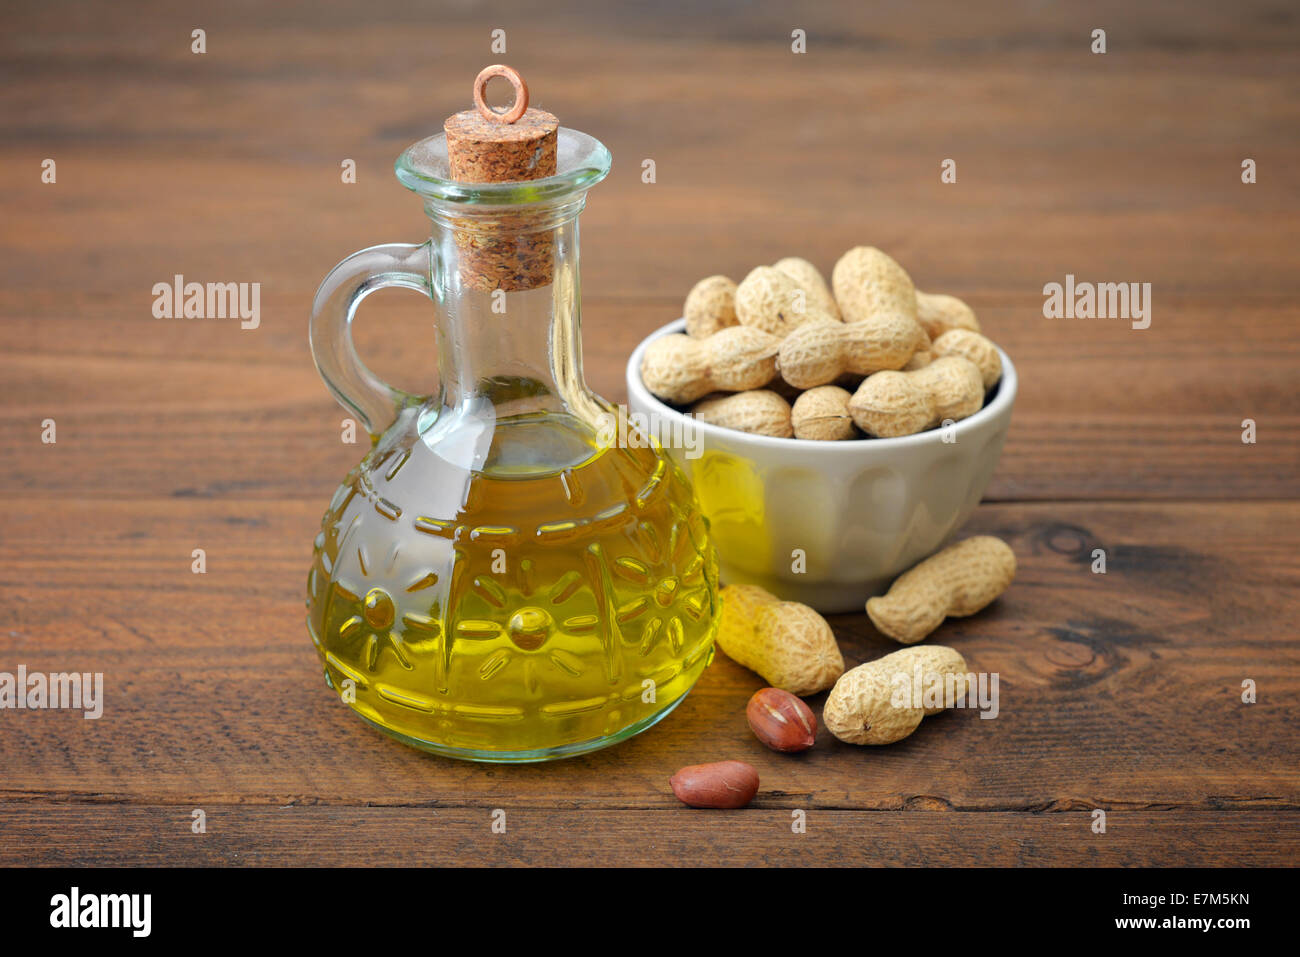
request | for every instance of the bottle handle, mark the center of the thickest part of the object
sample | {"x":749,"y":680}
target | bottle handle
{"x":356,"y":388}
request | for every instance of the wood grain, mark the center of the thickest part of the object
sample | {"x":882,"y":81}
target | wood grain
{"x":1119,"y":691}
{"x":242,"y":836}
{"x":245,"y":414}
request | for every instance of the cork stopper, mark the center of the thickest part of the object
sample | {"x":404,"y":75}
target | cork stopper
{"x":486,"y":146}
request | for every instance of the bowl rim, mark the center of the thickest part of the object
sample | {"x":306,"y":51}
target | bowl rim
{"x":1007,"y":388}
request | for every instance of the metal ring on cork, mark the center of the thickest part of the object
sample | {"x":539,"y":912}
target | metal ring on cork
{"x":520,"y":105}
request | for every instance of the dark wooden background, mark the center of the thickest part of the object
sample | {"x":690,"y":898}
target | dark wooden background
{"x":1119,"y":691}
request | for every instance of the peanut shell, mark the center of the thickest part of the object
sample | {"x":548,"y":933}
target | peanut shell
{"x":770,"y":300}
{"x":710,"y":307}
{"x":955,"y":385}
{"x":957,"y":581}
{"x":787,"y":643}
{"x":680,"y":369}
{"x":866,"y":282}
{"x":889,"y":404}
{"x":920,"y":359}
{"x":819,"y":352}
{"x":809,"y":276}
{"x":741,"y":358}
{"x":676,"y":369}
{"x":939,"y":312}
{"x":861,"y":708}
{"x":822,"y":414}
{"x":758,"y":411}
{"x":973,"y":346}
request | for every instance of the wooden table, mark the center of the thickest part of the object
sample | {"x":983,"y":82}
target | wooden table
{"x":1120,"y":691}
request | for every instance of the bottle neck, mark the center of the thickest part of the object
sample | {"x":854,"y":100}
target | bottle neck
{"x":506,"y":289}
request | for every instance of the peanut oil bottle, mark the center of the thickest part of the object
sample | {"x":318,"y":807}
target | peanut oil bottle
{"x":512,"y":573}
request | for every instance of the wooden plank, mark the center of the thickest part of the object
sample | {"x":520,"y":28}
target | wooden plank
{"x":1068,"y":162}
{"x":239,"y":835}
{"x":152,"y":408}
{"x":1117,"y":690}
{"x":1031,"y":116}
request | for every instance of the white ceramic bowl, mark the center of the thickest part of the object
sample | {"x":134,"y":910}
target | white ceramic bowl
{"x":859,"y":511}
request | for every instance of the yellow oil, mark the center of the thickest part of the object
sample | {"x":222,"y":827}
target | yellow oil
{"x":548,"y":598}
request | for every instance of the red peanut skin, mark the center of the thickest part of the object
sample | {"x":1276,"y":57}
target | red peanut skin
{"x":724,"y":784}
{"x":781,"y":721}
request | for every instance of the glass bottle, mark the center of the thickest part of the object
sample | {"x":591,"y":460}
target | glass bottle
{"x":512,"y":573}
